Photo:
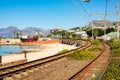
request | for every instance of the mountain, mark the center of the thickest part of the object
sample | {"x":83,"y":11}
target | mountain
{"x":31,"y":30}
{"x":9,"y":32}
{"x":101,"y":24}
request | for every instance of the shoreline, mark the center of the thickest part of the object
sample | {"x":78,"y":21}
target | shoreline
{"x":20,"y":50}
{"x":45,"y":51}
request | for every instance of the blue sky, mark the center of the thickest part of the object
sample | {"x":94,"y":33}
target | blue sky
{"x":49,"y":14}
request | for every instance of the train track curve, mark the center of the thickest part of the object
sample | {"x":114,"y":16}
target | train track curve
{"x":96,"y":65}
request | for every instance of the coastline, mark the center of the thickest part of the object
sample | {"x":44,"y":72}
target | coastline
{"x":45,"y":51}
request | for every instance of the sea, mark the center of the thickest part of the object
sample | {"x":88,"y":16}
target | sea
{"x":13,"y":49}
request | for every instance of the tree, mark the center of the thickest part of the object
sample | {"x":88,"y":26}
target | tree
{"x":89,"y":31}
{"x":95,"y":32}
{"x":40,"y":35}
{"x":100,"y":32}
{"x":75,"y":28}
{"x":74,"y":36}
{"x":108,"y":30}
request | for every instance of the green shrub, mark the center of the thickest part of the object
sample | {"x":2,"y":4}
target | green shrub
{"x":95,"y":48}
{"x":116,"y":52}
{"x":115,"y":43}
{"x":63,"y":51}
{"x":81,"y":55}
{"x":96,"y":42}
{"x":113,"y":71}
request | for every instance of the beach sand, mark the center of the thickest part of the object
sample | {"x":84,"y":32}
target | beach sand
{"x":48,"y":50}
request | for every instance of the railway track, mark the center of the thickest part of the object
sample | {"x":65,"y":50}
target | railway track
{"x":16,"y":69}
{"x":97,"y":65}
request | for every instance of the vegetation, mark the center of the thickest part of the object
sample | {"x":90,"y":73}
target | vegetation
{"x":96,"y":42}
{"x":81,"y":55}
{"x":98,"y":32}
{"x":95,"y":32}
{"x":113,"y":71}
{"x":41,"y":35}
{"x":115,"y":43}
{"x":64,"y":34}
{"x":75,"y":28}
{"x":116,"y":52}
{"x":108,"y":30}
{"x":59,"y":34}
{"x":95,"y":48}
{"x":63,"y":51}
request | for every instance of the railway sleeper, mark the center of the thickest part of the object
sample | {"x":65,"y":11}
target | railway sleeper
{"x":36,"y":69}
{"x":16,"y":77}
{"x":8,"y":78}
{"x":24,"y":74}
{"x":30,"y":72}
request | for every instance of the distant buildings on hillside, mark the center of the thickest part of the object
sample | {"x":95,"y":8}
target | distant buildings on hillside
{"x":57,"y":33}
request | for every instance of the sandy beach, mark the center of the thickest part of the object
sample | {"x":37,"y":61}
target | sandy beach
{"x":47,"y":50}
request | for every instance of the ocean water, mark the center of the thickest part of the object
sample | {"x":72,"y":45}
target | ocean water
{"x":14,"y":49}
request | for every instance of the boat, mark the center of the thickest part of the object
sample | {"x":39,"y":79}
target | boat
{"x":30,"y":39}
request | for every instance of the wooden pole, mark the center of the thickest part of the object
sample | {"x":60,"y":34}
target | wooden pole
{"x":0,"y":59}
{"x":25,"y":54}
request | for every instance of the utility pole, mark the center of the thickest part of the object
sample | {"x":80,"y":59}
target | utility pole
{"x":117,"y":16}
{"x":105,"y":37}
{"x":97,"y":15}
{"x":92,"y":30}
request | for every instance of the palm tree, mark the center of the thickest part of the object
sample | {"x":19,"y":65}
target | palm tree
{"x":95,"y":32}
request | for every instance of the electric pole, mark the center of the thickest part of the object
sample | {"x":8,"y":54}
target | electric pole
{"x":117,"y":16}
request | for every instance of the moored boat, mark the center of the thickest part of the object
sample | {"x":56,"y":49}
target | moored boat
{"x":31,"y":39}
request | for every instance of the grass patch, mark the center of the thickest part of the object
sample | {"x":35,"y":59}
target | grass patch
{"x":113,"y":71}
{"x":96,"y":42}
{"x":116,"y":52}
{"x":115,"y":43}
{"x":63,"y":51}
{"x":96,"y":76}
{"x":81,"y":55}
{"x":95,"y":48}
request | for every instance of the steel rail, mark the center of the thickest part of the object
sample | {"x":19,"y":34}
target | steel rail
{"x":32,"y":64}
{"x":103,"y":72}
{"x":88,"y":64}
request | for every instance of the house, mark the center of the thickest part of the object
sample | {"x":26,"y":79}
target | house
{"x":9,"y":41}
{"x":82,"y":34}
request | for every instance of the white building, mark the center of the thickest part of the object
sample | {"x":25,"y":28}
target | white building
{"x":82,"y":34}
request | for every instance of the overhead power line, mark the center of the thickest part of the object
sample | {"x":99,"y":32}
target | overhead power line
{"x":73,"y":6}
{"x":83,"y":8}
